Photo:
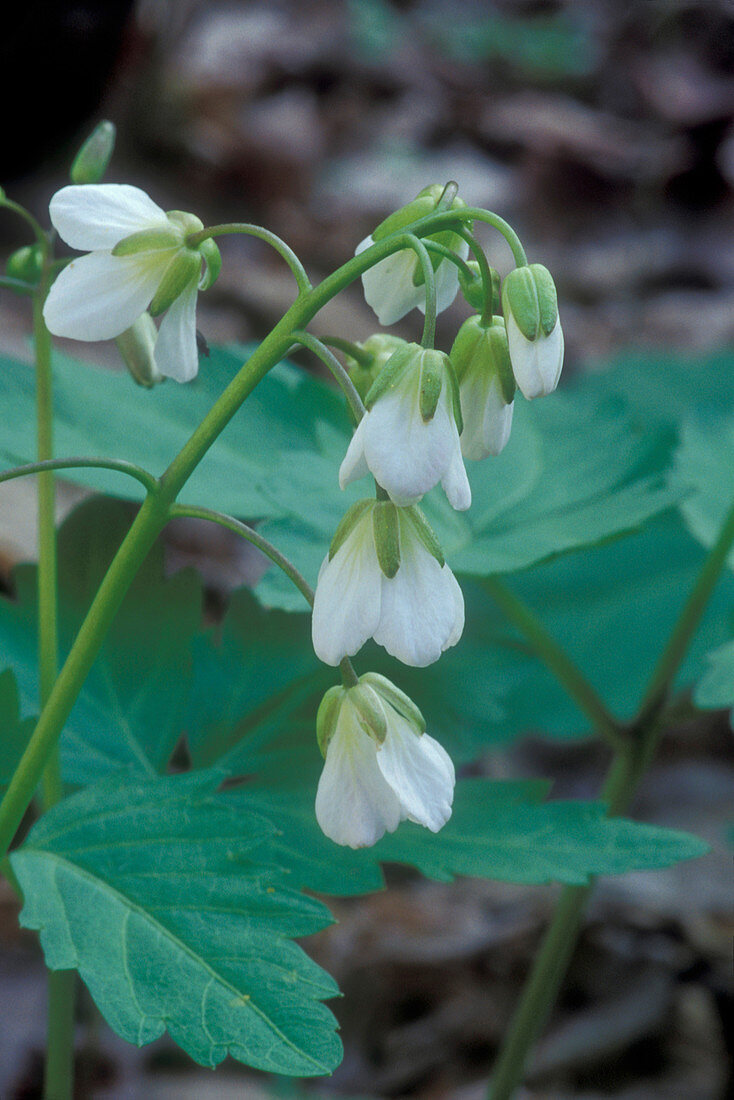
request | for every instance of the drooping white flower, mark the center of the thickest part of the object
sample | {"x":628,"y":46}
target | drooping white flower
{"x":381,"y":767}
{"x":395,"y":285}
{"x":534,"y":334}
{"x":137,"y":259}
{"x":385,"y":578}
{"x":481,"y":360}
{"x":409,"y":437}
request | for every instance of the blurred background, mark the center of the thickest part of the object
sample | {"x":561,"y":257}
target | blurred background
{"x":604,"y":132}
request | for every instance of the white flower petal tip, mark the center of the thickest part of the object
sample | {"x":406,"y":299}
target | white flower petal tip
{"x":99,"y":296}
{"x":487,"y":418}
{"x":537,"y":363}
{"x":371,"y":781}
{"x":416,"y":614}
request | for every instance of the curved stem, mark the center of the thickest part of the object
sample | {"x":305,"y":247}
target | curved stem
{"x":556,"y":660}
{"x":16,"y":208}
{"x":340,"y":374}
{"x":118,"y":465}
{"x":7,"y":282}
{"x":448,"y":254}
{"x":428,"y":338}
{"x":245,"y":228}
{"x":450,"y":219}
{"x":252,"y":536}
{"x":478,"y":253}
{"x":630,"y":763}
{"x":353,"y":350}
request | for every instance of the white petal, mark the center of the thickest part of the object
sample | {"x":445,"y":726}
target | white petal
{"x":419,"y":771}
{"x":176,"y":353}
{"x":536,"y":364}
{"x":98,"y":215}
{"x":354,"y":464}
{"x":455,"y":483}
{"x":407,"y":456}
{"x":487,"y":419}
{"x":346,"y":608}
{"x":447,"y":281}
{"x":98,"y":296}
{"x":388,"y":286}
{"x":354,"y":803}
{"x":420,"y":614}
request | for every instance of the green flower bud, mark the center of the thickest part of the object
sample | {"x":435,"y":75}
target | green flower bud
{"x":26,"y":264}
{"x":92,"y":160}
{"x":137,"y":348}
{"x":529,"y":295}
{"x":379,"y":349}
{"x":473,"y":288}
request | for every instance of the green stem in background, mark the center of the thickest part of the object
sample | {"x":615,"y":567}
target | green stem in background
{"x":630,"y":763}
{"x":340,"y":374}
{"x":299,"y":272}
{"x":19,"y":286}
{"x":118,"y":465}
{"x":252,"y":536}
{"x":428,"y":338}
{"x":37,"y":229}
{"x":356,"y":352}
{"x":478,"y":253}
{"x":556,"y":660}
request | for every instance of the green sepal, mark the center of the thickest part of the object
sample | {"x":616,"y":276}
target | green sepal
{"x":188,"y":223}
{"x":379,"y":347}
{"x":328,"y":715}
{"x":183,"y":270}
{"x":529,"y":294}
{"x":483,"y":347}
{"x":423,"y":204}
{"x":453,"y":384}
{"x":212,"y":262}
{"x":371,"y":713}
{"x":386,"y":528}
{"x":137,"y":348}
{"x":347,"y":524}
{"x":422,"y":528}
{"x":433,"y":375}
{"x":148,"y":240}
{"x":396,"y":698}
{"x":391,"y":374}
{"x":93,"y":159}
{"x":26,"y":263}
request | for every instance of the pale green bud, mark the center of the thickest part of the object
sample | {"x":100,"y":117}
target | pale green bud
{"x":473,"y":287}
{"x":529,"y":295}
{"x":480,"y":348}
{"x":137,"y":348}
{"x":26,"y":263}
{"x":328,"y":716}
{"x":91,"y":162}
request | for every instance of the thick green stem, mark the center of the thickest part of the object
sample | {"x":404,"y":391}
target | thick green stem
{"x":556,"y":660}
{"x":631,"y":760}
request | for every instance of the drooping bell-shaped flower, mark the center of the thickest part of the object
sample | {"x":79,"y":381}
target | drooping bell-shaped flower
{"x":395,"y":285}
{"x":380,"y":767}
{"x":409,"y":437}
{"x":481,"y":359}
{"x":385,"y":578}
{"x":534,"y":333}
{"x":137,"y":259}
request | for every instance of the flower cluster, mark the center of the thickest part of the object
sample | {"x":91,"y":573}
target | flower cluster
{"x":385,"y":576}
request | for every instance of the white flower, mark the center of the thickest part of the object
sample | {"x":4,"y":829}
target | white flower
{"x":409,"y":438}
{"x":390,"y":288}
{"x":137,"y":257}
{"x":537,"y":363}
{"x":380,"y":767}
{"x":380,"y":580}
{"x":481,"y":360}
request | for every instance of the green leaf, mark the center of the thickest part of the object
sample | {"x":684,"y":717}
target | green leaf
{"x":130,"y":709}
{"x":149,"y":427}
{"x":157,"y":893}
{"x":14,"y":730}
{"x":716,"y":686}
{"x":498,"y":830}
{"x":703,"y":470}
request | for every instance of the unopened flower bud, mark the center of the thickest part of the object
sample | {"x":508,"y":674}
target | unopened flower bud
{"x":26,"y":263}
{"x":137,"y":348}
{"x":377,"y":349}
{"x":92,"y":160}
{"x":472,"y":287}
{"x":534,"y":333}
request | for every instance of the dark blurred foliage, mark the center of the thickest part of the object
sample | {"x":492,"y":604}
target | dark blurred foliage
{"x":604,"y":131}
